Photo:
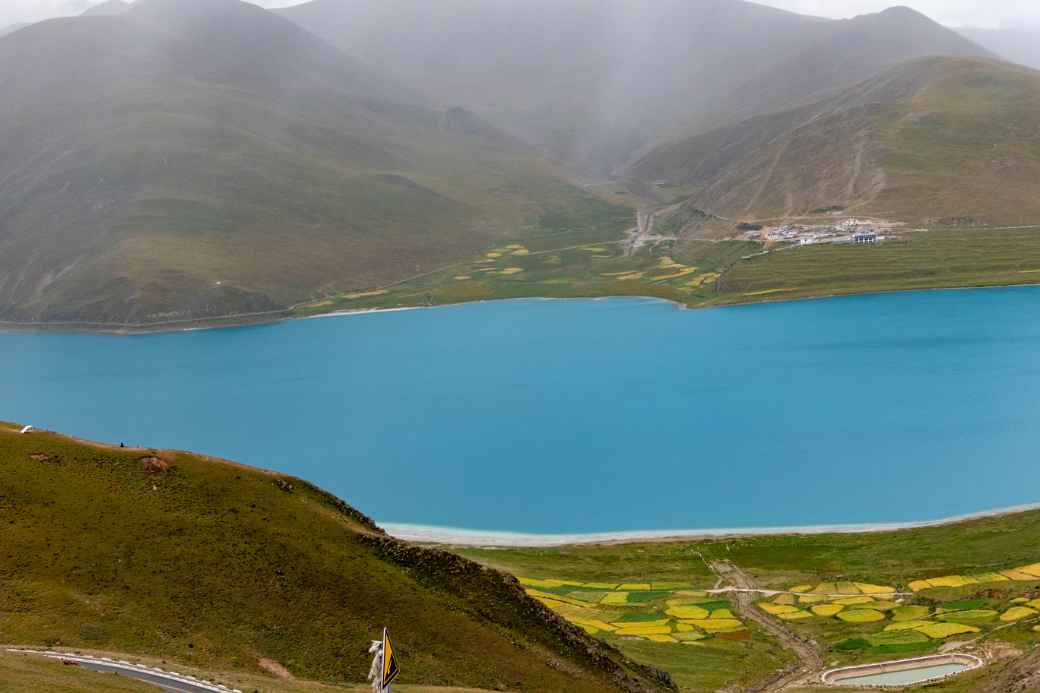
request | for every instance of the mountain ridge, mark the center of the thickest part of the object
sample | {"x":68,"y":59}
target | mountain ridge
{"x":596,"y":84}
{"x":900,"y":143}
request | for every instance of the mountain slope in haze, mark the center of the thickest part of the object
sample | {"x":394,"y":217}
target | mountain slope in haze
{"x":193,"y":158}
{"x":935,"y":139}
{"x":109,"y":7}
{"x":592,"y":81}
{"x":849,"y":52}
{"x":218,"y":565}
{"x":1019,"y":45}
{"x":4,"y":31}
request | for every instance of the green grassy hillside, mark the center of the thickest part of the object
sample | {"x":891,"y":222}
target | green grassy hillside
{"x":936,"y":141}
{"x":185,"y":160}
{"x":215,"y":565}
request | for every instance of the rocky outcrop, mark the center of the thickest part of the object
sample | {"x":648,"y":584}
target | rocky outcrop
{"x":507,"y":604}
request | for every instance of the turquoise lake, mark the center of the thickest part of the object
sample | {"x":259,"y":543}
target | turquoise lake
{"x":587,"y":416}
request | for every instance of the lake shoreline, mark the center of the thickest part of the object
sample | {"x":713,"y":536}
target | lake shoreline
{"x":450,"y":536}
{"x":287,"y":314}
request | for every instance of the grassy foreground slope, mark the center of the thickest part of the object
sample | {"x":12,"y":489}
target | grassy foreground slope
{"x":937,"y":141}
{"x":216,"y":565}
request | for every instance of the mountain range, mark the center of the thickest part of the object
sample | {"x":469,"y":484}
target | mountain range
{"x":593,"y":81}
{"x":189,"y":159}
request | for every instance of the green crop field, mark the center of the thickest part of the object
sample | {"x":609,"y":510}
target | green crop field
{"x":856,"y":599}
{"x":928,"y":260}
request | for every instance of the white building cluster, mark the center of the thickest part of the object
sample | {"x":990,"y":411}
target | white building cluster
{"x":858,"y":231}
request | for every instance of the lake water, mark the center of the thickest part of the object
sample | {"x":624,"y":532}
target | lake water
{"x":587,"y":416}
{"x":902,"y":678}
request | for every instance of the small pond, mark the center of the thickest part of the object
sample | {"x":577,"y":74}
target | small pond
{"x":907,"y":677}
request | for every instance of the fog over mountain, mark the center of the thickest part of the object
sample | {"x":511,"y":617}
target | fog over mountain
{"x":199,"y":157}
{"x":595,"y":81}
{"x":1019,"y":44}
{"x":11,"y":29}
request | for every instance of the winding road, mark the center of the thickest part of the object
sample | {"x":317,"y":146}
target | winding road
{"x":169,"y":681}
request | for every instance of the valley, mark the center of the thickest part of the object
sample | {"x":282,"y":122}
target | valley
{"x":755,"y":613}
{"x":600,"y":346}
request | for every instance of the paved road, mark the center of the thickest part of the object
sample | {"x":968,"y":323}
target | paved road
{"x":169,"y":681}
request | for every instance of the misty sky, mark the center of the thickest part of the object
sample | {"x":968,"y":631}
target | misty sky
{"x":987,"y":13}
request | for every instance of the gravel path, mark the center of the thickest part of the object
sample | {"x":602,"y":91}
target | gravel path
{"x":808,"y":651}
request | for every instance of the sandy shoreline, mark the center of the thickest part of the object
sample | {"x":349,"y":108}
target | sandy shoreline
{"x":479,"y":538}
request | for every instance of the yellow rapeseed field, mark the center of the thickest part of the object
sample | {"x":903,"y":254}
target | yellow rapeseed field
{"x":1017,"y":612}
{"x":688,"y":612}
{"x":852,"y":601}
{"x":938,"y":631}
{"x":591,"y":623}
{"x":867,"y":588}
{"x":715,"y":624}
{"x":909,"y":613}
{"x":907,"y":625}
{"x":812,"y":598}
{"x":629,"y":625}
{"x":861,"y":615}
{"x":827,"y":609}
{"x":644,"y":630}
{"x":1017,"y":575}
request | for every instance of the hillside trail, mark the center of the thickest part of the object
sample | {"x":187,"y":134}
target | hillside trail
{"x":643,"y":232}
{"x":743,"y":600}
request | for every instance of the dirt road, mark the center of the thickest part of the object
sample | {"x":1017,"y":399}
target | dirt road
{"x":643,"y":232}
{"x":743,"y":600}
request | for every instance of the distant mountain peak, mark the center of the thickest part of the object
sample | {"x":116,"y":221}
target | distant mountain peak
{"x":901,"y":11}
